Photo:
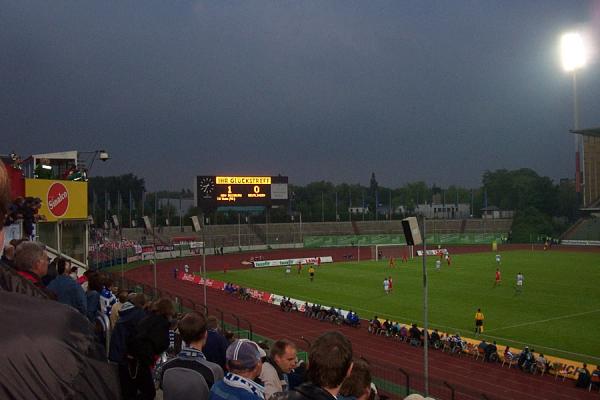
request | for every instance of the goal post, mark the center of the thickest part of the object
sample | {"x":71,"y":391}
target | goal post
{"x":385,"y":251}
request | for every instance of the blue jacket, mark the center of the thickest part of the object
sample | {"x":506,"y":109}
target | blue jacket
{"x":69,"y":292}
{"x":215,"y":347}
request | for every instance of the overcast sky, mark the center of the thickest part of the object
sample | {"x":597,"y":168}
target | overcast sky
{"x":438,"y":91}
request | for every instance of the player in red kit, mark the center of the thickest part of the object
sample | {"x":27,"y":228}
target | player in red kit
{"x":498,"y":277}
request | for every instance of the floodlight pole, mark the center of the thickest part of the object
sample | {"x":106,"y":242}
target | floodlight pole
{"x":425,"y":316}
{"x":154,"y":245}
{"x":204,"y":261}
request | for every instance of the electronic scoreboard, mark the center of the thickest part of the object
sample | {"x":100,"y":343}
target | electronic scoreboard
{"x":221,"y":191}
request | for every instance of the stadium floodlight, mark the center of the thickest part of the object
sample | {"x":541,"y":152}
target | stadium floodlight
{"x":574,"y":57}
{"x":573,"y":51}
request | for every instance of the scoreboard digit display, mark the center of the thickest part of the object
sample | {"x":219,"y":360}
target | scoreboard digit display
{"x":221,"y":191}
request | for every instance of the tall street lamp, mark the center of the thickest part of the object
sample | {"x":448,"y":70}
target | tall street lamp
{"x":573,"y":56}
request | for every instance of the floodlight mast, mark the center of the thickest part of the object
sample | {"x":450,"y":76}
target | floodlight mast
{"x":574,"y":57}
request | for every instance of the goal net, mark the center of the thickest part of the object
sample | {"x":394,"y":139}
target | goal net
{"x":386,"y":251}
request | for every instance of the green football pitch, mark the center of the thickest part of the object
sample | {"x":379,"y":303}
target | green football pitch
{"x":557,"y":312}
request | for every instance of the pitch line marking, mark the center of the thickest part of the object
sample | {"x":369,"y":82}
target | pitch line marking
{"x":544,"y":320}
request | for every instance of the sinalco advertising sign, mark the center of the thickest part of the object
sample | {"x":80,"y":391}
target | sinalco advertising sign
{"x":60,"y":199}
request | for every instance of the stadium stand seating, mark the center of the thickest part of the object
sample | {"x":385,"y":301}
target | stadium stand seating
{"x":587,"y":229}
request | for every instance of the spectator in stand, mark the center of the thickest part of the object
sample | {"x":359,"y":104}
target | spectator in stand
{"x":357,"y":386}
{"x":529,"y":364}
{"x":508,"y":355}
{"x":107,"y":297}
{"x":114,"y":312}
{"x":52,"y":272}
{"x":92,"y":295}
{"x":66,"y":289}
{"x":403,"y":333}
{"x":583,"y":377}
{"x":434,"y":339}
{"x":130,"y":314}
{"x":491,"y":352}
{"x":32,"y":262}
{"x":123,"y":333}
{"x":348,"y":319}
{"x":8,"y":256}
{"x":216,"y":344}
{"x":190,"y":375}
{"x":280,"y":362}
{"x":541,"y":363}
{"x":414,"y":335}
{"x":385,"y":327}
{"x":150,"y":341}
{"x":244,"y":362}
{"x":306,"y":309}
{"x":330,"y":362}
{"x":15,"y":211}
{"x":595,"y":373}
{"x":374,"y":325}
{"x":48,"y":348}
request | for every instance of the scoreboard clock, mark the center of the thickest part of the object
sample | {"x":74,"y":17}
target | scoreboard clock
{"x":222,"y":191}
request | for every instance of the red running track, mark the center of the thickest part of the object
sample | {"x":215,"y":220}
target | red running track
{"x":267,"y":320}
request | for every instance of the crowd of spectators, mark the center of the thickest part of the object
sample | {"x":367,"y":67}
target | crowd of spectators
{"x":237,"y":290}
{"x":25,"y":209}
{"x":287,"y":305}
{"x":322,"y":313}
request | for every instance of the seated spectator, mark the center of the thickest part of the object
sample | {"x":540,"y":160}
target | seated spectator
{"x":529,"y":363}
{"x":491,"y":352}
{"x":357,"y":386}
{"x":403,"y":333}
{"x":355,"y":321}
{"x":386,"y":328}
{"x":523,"y":357}
{"x":244,"y":363}
{"x":190,"y":375}
{"x":482,"y":346}
{"x":66,"y":289}
{"x":595,"y":373}
{"x":583,"y":377}
{"x":348,"y":319}
{"x":307,"y":309}
{"x":434,"y":340}
{"x":457,"y":344}
{"x":374,"y":325}
{"x":31,"y":261}
{"x":414,"y":335}
{"x":508,"y":355}
{"x":243,"y":293}
{"x":394,"y":329}
{"x":541,"y":364}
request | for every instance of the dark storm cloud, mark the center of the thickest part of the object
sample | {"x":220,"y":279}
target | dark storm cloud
{"x":439,"y":91}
